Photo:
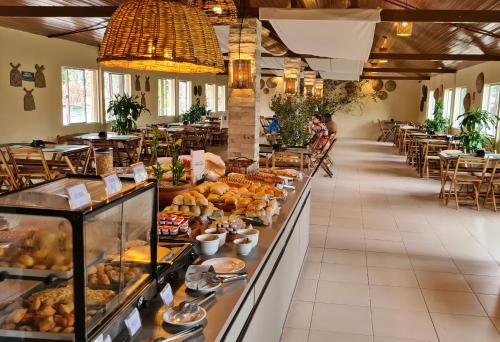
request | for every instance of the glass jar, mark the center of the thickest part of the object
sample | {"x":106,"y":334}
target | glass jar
{"x":103,"y":160}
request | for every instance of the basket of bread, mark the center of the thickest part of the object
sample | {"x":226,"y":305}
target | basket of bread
{"x":190,"y":204}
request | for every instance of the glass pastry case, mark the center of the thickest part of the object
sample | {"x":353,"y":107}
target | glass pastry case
{"x":64,"y":273}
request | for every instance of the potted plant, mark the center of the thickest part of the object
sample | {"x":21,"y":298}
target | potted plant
{"x":195,"y":113}
{"x":124,"y":111}
{"x":168,"y":186}
{"x":473,"y":127}
{"x":293,"y":121}
{"x":438,"y":123}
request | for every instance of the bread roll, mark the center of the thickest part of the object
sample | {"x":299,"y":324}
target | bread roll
{"x":184,"y":209}
{"x":218,"y":188}
{"x":189,"y":200}
{"x":179,"y":200}
{"x":196,"y":210}
{"x":213,"y":198}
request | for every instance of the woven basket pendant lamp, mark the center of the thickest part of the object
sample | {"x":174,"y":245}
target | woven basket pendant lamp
{"x":161,"y":35}
{"x":219,"y":12}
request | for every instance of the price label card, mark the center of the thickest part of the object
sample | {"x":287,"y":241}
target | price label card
{"x":140,"y":173}
{"x":197,"y":165}
{"x":167,"y":295}
{"x":107,"y":338}
{"x":112,"y":184}
{"x":99,"y":338}
{"x":133,"y":322}
{"x":78,"y":196}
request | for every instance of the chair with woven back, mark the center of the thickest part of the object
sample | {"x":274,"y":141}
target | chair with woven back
{"x":80,"y":161}
{"x":469,"y":173}
{"x":29,"y":164}
{"x":384,"y":132}
{"x":192,"y":141}
{"x":430,"y":155}
{"x":7,"y":178}
{"x":493,"y":183}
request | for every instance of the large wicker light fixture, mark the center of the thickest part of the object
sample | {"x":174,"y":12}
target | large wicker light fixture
{"x":318,"y":87}
{"x":404,"y":29}
{"x":309,"y":80}
{"x":219,"y":12}
{"x":161,"y":35}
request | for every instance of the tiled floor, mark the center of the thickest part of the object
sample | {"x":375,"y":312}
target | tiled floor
{"x":387,"y":262}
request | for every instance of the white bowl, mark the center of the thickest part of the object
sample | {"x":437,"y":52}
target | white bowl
{"x":251,"y":234}
{"x":209,"y":243}
{"x":222,"y":236}
{"x":243,"y":246}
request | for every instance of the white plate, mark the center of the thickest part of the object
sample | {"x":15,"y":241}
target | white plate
{"x":168,"y":318}
{"x":225,"y":265}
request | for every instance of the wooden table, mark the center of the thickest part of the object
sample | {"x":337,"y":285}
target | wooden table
{"x":301,"y":151}
{"x":109,"y":137}
{"x":127,"y":143}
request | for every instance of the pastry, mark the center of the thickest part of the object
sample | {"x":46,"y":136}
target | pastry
{"x":179,"y":200}
{"x":213,"y":198}
{"x":189,"y":199}
{"x":196,"y":210}
{"x":184,"y":209}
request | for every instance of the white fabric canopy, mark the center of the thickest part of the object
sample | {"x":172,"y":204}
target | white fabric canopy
{"x":339,"y":76}
{"x":336,"y":65}
{"x":272,"y":63}
{"x":334,"y":33}
{"x":222,"y":33}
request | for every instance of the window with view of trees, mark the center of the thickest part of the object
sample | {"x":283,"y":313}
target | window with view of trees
{"x":458,"y":106}
{"x":447,"y":103}
{"x":210,"y":97}
{"x":79,"y":95}
{"x":184,"y":96}
{"x":115,"y":84}
{"x":491,"y":103}
{"x":166,"y":97}
{"x":221,"y":98}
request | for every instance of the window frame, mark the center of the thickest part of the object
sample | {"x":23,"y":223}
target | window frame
{"x":188,"y":96}
{"x":89,"y":118}
{"x":458,"y":101}
{"x":170,"y":112}
{"x":212,"y":108}
{"x":486,"y":102}
{"x":223,"y":87}
{"x":448,"y":103}
{"x":431,"y":103}
{"x":126,"y":88}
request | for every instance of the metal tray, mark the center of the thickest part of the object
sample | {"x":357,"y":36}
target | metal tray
{"x":37,"y":335}
{"x":34,"y":273}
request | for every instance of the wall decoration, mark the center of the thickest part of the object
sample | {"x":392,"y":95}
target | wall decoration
{"x":15,"y":76}
{"x":467,"y":102}
{"x":147,"y":85}
{"x":28,"y":76}
{"x":436,"y":94}
{"x":480,"y":83}
{"x":441,"y":90}
{"x":195,"y":90}
{"x":39,"y":76}
{"x":271,"y":83}
{"x":266,"y":91}
{"x":137,"y":82}
{"x":143,"y":99}
{"x":200,"y":90}
{"x":29,"y":100}
{"x":422,"y":103}
{"x":377,"y":85}
{"x":382,"y":94}
{"x":425,"y":90}
{"x":390,"y":85}
{"x":262,"y":83}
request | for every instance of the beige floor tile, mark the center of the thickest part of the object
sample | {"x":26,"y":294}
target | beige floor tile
{"x":306,"y":290}
{"x":389,"y":260}
{"x":348,"y":243}
{"x":328,"y":336}
{"x":491,"y":304}
{"x":403,"y":324}
{"x":347,"y":223}
{"x":433,"y":263}
{"x":311,"y":270}
{"x":345,"y":257}
{"x":458,"y":328}
{"x":344,"y":273}
{"x":294,"y":335}
{"x":451,"y":302}
{"x":321,"y":212}
{"x":442,"y":281}
{"x":397,"y":298}
{"x":315,"y":254}
{"x":317,"y":239}
{"x":342,"y":293}
{"x":320,"y":220}
{"x":484,"y":284}
{"x":390,"y":339}
{"x":385,"y":235}
{"x":391,"y":277}
{"x":342,"y":318}
{"x":299,"y":315}
{"x":340,"y":233}
{"x":347,"y":213}
{"x":385,"y":246}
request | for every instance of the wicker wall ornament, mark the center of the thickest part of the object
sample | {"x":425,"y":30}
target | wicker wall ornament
{"x":143,"y":99}
{"x":467,"y":102}
{"x":147,"y":86}
{"x":161,"y":35}
{"x":436,"y":94}
{"x":382,"y":94}
{"x":271,"y":83}
{"x":377,"y":85}
{"x":390,"y":85}
{"x":262,"y":83}
{"x":39,"y":76}
{"x":219,"y":12}
{"x":29,"y":100}
{"x":15,"y":76}
{"x":480,"y":83}
{"x":137,"y":82}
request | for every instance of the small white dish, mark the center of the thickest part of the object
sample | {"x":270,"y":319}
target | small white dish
{"x":209,"y":243}
{"x":222,"y":233}
{"x":252,"y":234}
{"x":170,"y":318}
{"x":225,"y":264}
{"x":243,"y":246}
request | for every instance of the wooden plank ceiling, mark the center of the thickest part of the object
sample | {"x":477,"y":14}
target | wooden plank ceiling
{"x":427,"y":38}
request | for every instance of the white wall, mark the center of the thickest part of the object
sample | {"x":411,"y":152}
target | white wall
{"x":46,"y":122}
{"x":401,"y":104}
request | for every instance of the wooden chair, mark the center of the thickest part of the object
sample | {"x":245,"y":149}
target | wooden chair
{"x":469,"y":173}
{"x":431,"y":155}
{"x":494,"y":181}
{"x":384,"y":132}
{"x":7,"y":177}
{"x":29,"y":164}
{"x":192,"y":141}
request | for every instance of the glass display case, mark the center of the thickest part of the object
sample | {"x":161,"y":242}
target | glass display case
{"x":65,"y":274}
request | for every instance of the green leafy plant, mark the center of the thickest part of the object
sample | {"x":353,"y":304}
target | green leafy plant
{"x":177,"y":168}
{"x":473,"y":127}
{"x":293,"y":119}
{"x":438,"y":123}
{"x":195,"y":113}
{"x":158,"y":171}
{"x":124,"y":110}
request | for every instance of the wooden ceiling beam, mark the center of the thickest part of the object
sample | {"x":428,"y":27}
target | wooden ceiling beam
{"x":441,"y":16}
{"x":434,"y":57}
{"x":412,"y":70}
{"x":395,"y":78}
{"x":57,"y":11}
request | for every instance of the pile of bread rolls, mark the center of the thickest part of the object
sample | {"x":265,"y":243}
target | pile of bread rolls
{"x":192,"y":203}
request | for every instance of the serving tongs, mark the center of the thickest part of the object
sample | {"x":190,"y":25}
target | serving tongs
{"x":181,"y":335}
{"x":206,"y":278}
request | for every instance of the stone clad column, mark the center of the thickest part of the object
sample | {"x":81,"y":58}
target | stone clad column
{"x":243,"y":106}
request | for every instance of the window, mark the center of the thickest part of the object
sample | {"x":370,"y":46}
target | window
{"x":184,"y":96}
{"x":79,"y":95}
{"x":447,"y":103}
{"x":491,"y":103}
{"x":166,"y":97}
{"x":458,"y":106}
{"x":431,"y":104}
{"x":221,"y":98}
{"x":210,"y":97}
{"x":114,"y":84}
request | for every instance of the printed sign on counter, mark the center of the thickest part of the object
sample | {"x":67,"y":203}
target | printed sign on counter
{"x":112,"y":184}
{"x":78,"y":196}
{"x":197,"y":165}
{"x":133,"y":322}
{"x":140,"y":173}
{"x":167,"y":295}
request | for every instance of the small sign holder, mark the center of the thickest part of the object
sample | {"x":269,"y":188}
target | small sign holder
{"x":78,"y":196}
{"x":112,"y":184}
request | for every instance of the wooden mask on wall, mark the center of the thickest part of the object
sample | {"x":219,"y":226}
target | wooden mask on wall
{"x":143,"y":99}
{"x":147,"y":86}
{"x":137,"y":82}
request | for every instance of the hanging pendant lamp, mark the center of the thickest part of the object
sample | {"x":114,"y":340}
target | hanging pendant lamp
{"x":404,"y":29}
{"x":219,"y":12}
{"x":161,"y":35}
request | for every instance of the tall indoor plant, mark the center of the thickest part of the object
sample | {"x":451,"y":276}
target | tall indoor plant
{"x":293,"y":121}
{"x":474,"y":125}
{"x":438,"y":123}
{"x":124,"y":110}
{"x":195,"y":113}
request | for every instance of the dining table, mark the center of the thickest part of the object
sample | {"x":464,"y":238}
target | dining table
{"x":270,"y":152}
{"x":125,"y":146}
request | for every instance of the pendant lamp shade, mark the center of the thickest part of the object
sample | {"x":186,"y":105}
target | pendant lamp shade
{"x":219,"y":12}
{"x":404,"y":29}
{"x":160,"y":35}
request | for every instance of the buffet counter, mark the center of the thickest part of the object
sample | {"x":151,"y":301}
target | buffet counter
{"x":254,"y":309}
